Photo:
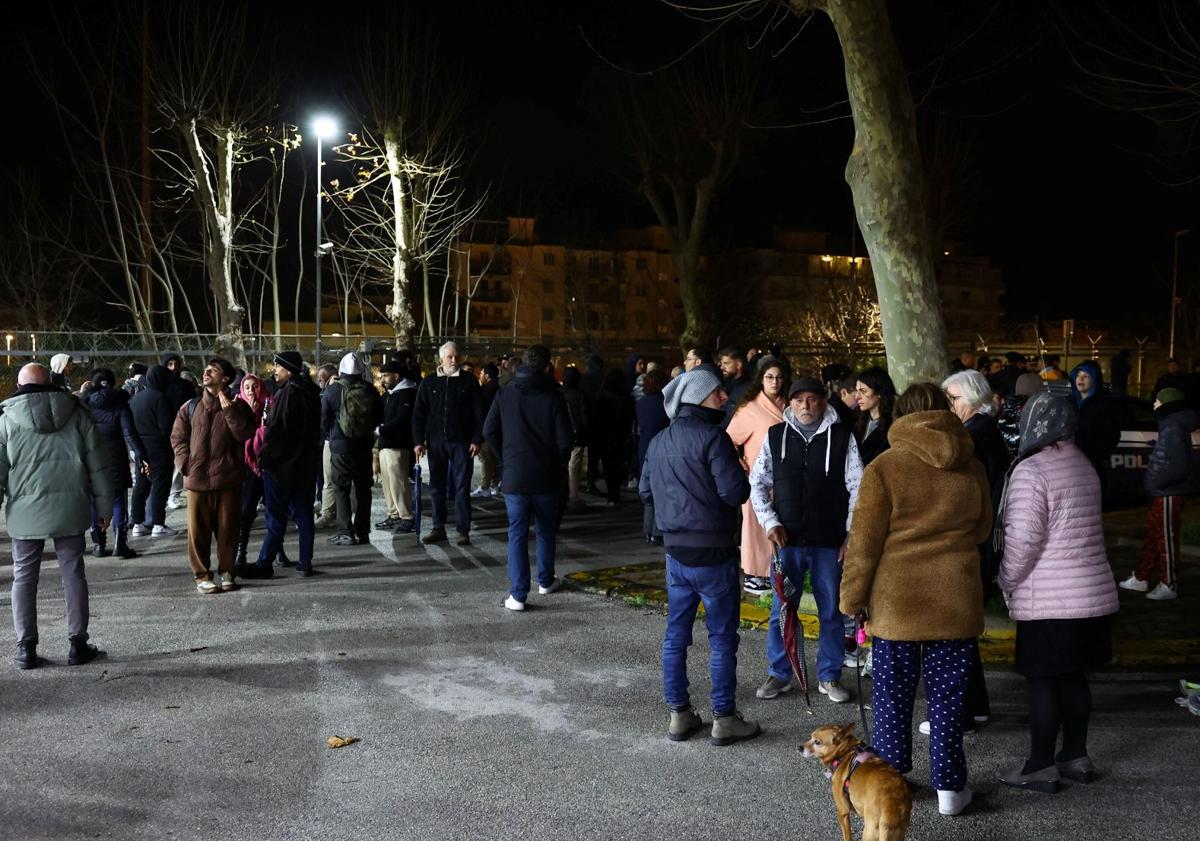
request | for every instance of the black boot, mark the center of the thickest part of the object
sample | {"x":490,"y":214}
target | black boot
{"x":283,"y":559}
{"x":100,"y":543}
{"x":123,"y":548}
{"x":26,"y":656}
{"x":82,"y":651}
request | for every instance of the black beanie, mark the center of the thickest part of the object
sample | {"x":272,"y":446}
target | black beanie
{"x":290,"y":359}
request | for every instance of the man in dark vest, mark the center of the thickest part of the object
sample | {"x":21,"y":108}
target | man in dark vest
{"x":803,"y":488}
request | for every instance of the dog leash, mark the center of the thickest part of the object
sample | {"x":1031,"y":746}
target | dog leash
{"x":860,"y":638}
{"x":791,"y":630}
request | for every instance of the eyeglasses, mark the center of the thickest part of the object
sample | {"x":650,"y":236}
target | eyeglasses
{"x":773,"y":377}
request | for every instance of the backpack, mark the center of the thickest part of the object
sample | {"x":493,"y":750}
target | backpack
{"x":357,"y":409}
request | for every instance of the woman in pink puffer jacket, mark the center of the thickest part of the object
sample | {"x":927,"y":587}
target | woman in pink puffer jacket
{"x":1059,"y":588}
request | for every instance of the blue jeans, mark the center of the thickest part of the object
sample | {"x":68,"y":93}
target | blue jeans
{"x":281,"y":503}
{"x":450,"y":474}
{"x":826,"y":575}
{"x":544,"y":511}
{"x":719,"y":587}
{"x":896,"y":667}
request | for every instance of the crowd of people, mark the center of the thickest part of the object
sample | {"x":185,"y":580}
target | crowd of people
{"x":905,"y":512}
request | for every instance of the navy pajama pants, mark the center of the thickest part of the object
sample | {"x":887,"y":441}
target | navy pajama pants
{"x":896,"y":666}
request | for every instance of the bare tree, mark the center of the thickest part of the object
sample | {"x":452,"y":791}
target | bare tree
{"x":840,"y":314}
{"x":684,"y":134}
{"x":215,"y":102}
{"x":407,"y":202}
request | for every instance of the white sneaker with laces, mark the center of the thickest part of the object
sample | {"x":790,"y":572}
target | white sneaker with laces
{"x":513,"y":604}
{"x":480,"y":492}
{"x":140,"y":530}
{"x":923,"y":728}
{"x":163,"y":531}
{"x":1162,"y":593}
{"x":175,"y":502}
{"x":834,"y":689}
{"x":554,"y":585}
{"x":207,"y":585}
{"x":1134,"y":583}
{"x":953,"y":802}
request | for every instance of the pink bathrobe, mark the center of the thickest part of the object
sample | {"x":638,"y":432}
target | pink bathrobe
{"x":748,"y":429}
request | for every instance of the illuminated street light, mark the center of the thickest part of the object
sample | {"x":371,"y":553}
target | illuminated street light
{"x":8,"y":341}
{"x":324,"y":127}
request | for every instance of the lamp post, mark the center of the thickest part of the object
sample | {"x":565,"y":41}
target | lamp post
{"x":324,"y":128}
{"x":8,"y":339}
{"x":1175,"y":289}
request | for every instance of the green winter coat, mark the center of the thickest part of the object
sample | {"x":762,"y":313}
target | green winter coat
{"x":52,"y":462}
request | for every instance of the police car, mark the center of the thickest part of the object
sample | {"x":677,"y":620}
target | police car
{"x":1127,"y":465}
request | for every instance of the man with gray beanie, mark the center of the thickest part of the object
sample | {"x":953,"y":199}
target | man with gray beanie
{"x":694,"y":479}
{"x":351,"y":408}
{"x":803,"y":488}
{"x":52,"y":465}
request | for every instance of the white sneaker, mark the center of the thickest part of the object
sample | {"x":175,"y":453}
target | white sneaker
{"x":175,"y":502}
{"x":834,"y":689}
{"x":1162,"y":593}
{"x":139,"y":530}
{"x":923,"y":728}
{"x":554,"y":585}
{"x":163,"y":531}
{"x":513,"y":604}
{"x":480,"y":492}
{"x":953,"y":802}
{"x":496,"y":491}
{"x":227,"y":582}
{"x":1134,"y":583}
{"x":322,"y":523}
{"x":207,"y":585}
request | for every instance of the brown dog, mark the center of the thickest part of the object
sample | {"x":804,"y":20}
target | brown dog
{"x":862,"y":783}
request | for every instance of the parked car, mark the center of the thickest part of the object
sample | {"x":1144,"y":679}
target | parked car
{"x":1127,"y":464}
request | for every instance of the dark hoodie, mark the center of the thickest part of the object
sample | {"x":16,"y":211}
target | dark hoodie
{"x":1173,"y":470}
{"x":529,"y":426}
{"x":1101,"y":419}
{"x":177,"y":389}
{"x":153,"y":415}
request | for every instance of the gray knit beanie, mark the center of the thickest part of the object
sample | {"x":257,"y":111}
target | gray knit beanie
{"x":692,"y":387}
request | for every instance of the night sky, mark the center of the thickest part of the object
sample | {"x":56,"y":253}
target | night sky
{"x":1067,"y":196}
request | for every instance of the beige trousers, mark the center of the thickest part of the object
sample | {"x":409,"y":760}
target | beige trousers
{"x":395,"y":467}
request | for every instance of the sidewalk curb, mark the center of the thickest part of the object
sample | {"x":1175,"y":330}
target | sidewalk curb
{"x":996,"y":646}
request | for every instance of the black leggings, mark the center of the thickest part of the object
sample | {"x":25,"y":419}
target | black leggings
{"x":1058,"y":703}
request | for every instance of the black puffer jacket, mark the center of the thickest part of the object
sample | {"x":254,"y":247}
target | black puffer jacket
{"x":989,"y":447}
{"x":114,"y":422}
{"x":1172,"y":470}
{"x":292,"y":436}
{"x":529,"y":426}
{"x":153,"y":415}
{"x":448,"y":409}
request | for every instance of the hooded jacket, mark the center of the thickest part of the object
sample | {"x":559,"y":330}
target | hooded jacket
{"x":331,"y":404}
{"x":530,"y":428}
{"x":808,"y":487}
{"x":695,"y":481}
{"x":1172,"y":470}
{"x":177,"y":389}
{"x":153,"y":415}
{"x":395,"y":433}
{"x":923,"y":509}
{"x":208,"y":443}
{"x":114,"y":423}
{"x":52,"y":463}
{"x":1101,"y":419}
{"x":1054,"y":564}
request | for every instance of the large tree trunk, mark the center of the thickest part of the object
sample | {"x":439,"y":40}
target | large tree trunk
{"x":214,"y":195}
{"x":399,"y":312}
{"x":886,"y":179}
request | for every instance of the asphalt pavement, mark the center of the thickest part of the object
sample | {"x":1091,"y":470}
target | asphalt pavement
{"x":210,"y":715}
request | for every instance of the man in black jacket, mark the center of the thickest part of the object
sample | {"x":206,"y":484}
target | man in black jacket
{"x":351,"y":409}
{"x":396,"y":445}
{"x":447,"y":421}
{"x":288,"y":458}
{"x":695,"y":481}
{"x":529,"y":426}
{"x":153,"y":417}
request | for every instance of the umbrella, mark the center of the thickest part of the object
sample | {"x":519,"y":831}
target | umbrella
{"x":793,"y":634}
{"x":417,"y":502}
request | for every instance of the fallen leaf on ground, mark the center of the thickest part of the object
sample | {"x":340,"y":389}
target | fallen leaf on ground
{"x":199,"y":648}
{"x":340,"y":741}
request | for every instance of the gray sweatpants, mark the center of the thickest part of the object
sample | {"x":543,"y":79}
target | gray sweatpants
{"x":27,"y":566}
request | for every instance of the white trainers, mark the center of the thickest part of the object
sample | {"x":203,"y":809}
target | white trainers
{"x":163,"y":531}
{"x":834,"y":689}
{"x":481,"y":492}
{"x":554,"y":585}
{"x":1134,"y":583}
{"x":139,"y":530}
{"x":1162,"y":593}
{"x":175,"y":502}
{"x":923,"y":728}
{"x":207,"y":585}
{"x":953,"y":802}
{"x":513,"y":604}
{"x":227,"y":582}
{"x":496,"y":491}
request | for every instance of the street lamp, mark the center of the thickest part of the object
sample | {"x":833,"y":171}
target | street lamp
{"x":9,"y":340}
{"x":324,"y":128}
{"x":1175,"y":289}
